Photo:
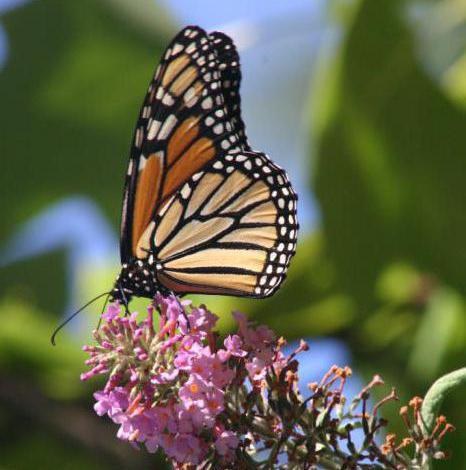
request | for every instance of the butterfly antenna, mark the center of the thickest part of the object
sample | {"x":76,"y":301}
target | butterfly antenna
{"x":103,"y":310}
{"x":59,"y":327}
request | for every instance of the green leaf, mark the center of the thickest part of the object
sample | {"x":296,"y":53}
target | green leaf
{"x":25,"y":349}
{"x":390,"y":163}
{"x":70,"y":93}
{"x":437,"y":393}
{"x":439,"y":325}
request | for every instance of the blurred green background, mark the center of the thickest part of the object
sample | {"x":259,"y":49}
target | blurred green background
{"x":363,"y":101}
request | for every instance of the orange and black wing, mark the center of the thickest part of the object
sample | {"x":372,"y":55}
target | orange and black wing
{"x":231,"y":229}
{"x":183,"y":125}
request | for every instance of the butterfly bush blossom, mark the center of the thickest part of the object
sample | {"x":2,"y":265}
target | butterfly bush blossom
{"x":208,"y":403}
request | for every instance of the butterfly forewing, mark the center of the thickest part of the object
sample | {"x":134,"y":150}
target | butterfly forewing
{"x":183,"y":124}
{"x":231,"y":229}
{"x":230,"y":73}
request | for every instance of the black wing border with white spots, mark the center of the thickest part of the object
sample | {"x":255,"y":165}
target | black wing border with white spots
{"x":230,"y":70}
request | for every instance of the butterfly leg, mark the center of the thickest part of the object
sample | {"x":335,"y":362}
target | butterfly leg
{"x":125,"y":301}
{"x":169,"y":293}
{"x":182,"y":311}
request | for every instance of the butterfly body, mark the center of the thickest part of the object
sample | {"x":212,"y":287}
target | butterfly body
{"x":202,"y":212}
{"x":137,"y":278}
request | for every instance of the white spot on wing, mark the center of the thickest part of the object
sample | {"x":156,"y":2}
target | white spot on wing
{"x":146,"y":112}
{"x":138,"y":138}
{"x":130,"y":166}
{"x":197,"y":176}
{"x":160,"y":92}
{"x":142,"y":162}
{"x":218,"y":129}
{"x":190,"y":97}
{"x":185,"y":191}
{"x":191,"y":48}
{"x":166,"y":206}
{"x":167,"y":127}
{"x":168,"y":99}
{"x":207,"y":103}
{"x":154,"y":128}
{"x":177,"y":48}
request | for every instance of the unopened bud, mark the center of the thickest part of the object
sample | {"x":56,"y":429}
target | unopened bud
{"x":313,"y":386}
{"x":416,"y":403}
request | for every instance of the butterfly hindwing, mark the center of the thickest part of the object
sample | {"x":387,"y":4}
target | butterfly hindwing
{"x":183,"y":124}
{"x":231,"y":229}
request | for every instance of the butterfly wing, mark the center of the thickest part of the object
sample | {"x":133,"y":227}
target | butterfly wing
{"x":231,"y":229}
{"x":182,"y":126}
{"x":230,"y":72}
{"x":214,"y":216}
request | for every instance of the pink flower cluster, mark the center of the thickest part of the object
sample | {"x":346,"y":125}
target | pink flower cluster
{"x":169,"y":385}
{"x":173,"y":384}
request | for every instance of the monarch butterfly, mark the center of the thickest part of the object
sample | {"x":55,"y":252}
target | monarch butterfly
{"x":202,"y":212}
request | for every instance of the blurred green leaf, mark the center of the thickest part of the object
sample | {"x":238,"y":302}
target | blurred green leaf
{"x":145,"y":16}
{"x":455,"y":80}
{"x":390,"y":166}
{"x":440,"y":28}
{"x":436,"y":394}
{"x":440,"y":323}
{"x":70,"y":94}
{"x":389,"y":176}
{"x":25,"y":348}
{"x":308,"y":303}
{"x":398,"y":283}
{"x":386,"y":326}
{"x":45,"y":452}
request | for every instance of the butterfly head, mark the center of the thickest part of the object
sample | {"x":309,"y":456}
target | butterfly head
{"x":135,"y":279}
